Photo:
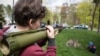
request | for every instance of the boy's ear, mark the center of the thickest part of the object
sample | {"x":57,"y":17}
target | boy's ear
{"x":30,"y":22}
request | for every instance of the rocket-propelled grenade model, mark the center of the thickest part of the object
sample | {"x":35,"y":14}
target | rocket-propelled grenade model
{"x":16,"y":41}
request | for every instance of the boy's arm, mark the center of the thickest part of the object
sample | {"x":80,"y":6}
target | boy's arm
{"x":35,"y":50}
{"x":42,"y":42}
{"x":51,"y":50}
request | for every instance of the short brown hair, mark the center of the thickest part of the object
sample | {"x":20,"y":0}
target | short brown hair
{"x":25,"y":10}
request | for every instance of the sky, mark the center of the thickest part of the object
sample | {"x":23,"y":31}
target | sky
{"x":59,"y":2}
{"x":53,"y":3}
{"x":5,"y":2}
{"x":50,"y":3}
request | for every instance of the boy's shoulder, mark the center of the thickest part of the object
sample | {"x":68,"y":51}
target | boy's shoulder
{"x":10,"y":30}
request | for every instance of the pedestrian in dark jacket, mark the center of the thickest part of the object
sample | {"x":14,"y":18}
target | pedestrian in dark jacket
{"x":28,"y":15}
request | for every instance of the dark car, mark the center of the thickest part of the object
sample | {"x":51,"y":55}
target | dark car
{"x":85,"y":27}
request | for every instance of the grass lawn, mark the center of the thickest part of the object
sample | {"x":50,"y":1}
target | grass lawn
{"x":83,"y":36}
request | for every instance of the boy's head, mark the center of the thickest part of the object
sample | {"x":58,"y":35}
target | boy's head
{"x":91,"y":43}
{"x":29,"y":12}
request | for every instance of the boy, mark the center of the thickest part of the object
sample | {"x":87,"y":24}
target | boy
{"x":92,"y":47}
{"x":28,"y":15}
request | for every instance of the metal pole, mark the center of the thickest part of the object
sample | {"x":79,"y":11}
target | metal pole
{"x":13,"y":13}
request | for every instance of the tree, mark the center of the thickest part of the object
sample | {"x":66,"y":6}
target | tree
{"x":2,"y":20}
{"x":84,"y":11}
{"x":96,"y":5}
{"x":48,"y":17}
{"x":96,"y":10}
{"x":56,"y":17}
{"x":72,"y":14}
{"x":63,"y":13}
{"x":97,"y":2}
{"x":2,"y":9}
{"x":99,"y":20}
{"x":8,"y":11}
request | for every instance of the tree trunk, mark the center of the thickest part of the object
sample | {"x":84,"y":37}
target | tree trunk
{"x":93,"y":17}
{"x":99,"y":20}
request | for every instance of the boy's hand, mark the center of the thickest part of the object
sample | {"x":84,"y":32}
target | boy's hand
{"x":50,"y":31}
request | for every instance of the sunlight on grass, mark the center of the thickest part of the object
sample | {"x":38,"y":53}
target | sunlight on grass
{"x":83,"y":36}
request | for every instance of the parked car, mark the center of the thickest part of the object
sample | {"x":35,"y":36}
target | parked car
{"x":81,"y":26}
{"x":65,"y":25}
{"x":42,"y":25}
